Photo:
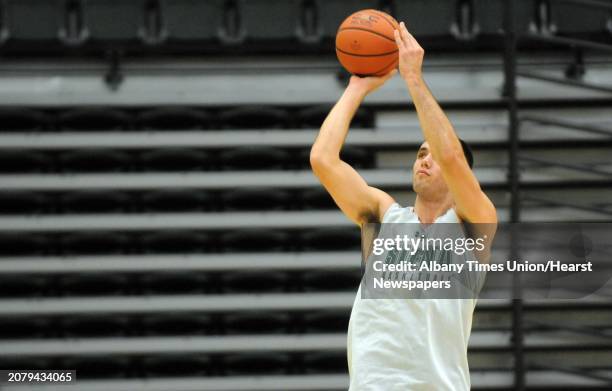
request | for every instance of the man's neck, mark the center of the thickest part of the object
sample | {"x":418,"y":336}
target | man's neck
{"x":428,"y":209}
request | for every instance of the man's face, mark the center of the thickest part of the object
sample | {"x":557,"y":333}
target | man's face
{"x":426,"y":173}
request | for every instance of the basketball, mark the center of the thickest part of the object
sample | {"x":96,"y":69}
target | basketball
{"x":365,"y":44}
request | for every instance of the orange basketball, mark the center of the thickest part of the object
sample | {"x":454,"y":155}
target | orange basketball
{"x":365,"y":44}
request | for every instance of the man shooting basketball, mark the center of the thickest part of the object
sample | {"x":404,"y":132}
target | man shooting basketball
{"x":406,"y":344}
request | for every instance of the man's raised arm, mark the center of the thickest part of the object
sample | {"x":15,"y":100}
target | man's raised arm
{"x":359,"y":202}
{"x":471,"y":202}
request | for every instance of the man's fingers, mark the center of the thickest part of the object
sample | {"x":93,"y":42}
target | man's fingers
{"x":398,"y":39}
{"x":405,"y":34}
{"x":408,"y":38}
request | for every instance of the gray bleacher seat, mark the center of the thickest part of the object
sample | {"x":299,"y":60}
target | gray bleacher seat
{"x":256,"y":323}
{"x":23,"y":120}
{"x":254,"y":240}
{"x":94,"y":119}
{"x":175,"y":118}
{"x":253,"y":117}
{"x":254,"y":158}
{"x":176,"y":283}
{"x":25,"y":161}
{"x":175,"y":242}
{"x":175,"y":159}
{"x":190,"y":324}
{"x":95,"y":160}
{"x":176,"y":365}
{"x":95,"y":201}
{"x":100,"y":242}
{"x":176,"y":200}
{"x":255,"y":199}
{"x":25,"y":203}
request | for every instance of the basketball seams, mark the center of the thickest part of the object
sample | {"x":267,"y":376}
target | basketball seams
{"x":383,"y":15}
{"x":369,"y":31}
{"x":366,"y":55}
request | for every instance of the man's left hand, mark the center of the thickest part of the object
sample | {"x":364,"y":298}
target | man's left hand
{"x":410,"y":54}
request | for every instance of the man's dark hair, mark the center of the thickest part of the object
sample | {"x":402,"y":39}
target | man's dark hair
{"x":467,"y":151}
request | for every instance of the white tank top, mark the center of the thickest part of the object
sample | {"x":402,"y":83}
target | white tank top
{"x":409,"y":344}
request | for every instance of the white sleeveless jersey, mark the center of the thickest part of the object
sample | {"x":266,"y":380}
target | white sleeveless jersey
{"x":409,"y":344}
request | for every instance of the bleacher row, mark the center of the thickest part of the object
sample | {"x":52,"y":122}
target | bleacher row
{"x":168,"y":118}
{"x":115,"y":284}
{"x":198,"y":365}
{"x":184,"y":200}
{"x":162,"y":200}
{"x":183,"y":241}
{"x":196,"y":324}
{"x":254,"y":158}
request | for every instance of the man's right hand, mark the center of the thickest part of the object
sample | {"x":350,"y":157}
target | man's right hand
{"x":365,"y":85}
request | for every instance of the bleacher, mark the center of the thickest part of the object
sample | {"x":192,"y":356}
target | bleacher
{"x":168,"y":234}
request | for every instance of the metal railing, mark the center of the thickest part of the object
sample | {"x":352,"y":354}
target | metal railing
{"x":573,"y":78}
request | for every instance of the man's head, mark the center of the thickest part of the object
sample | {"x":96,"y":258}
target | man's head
{"x":427,"y":175}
